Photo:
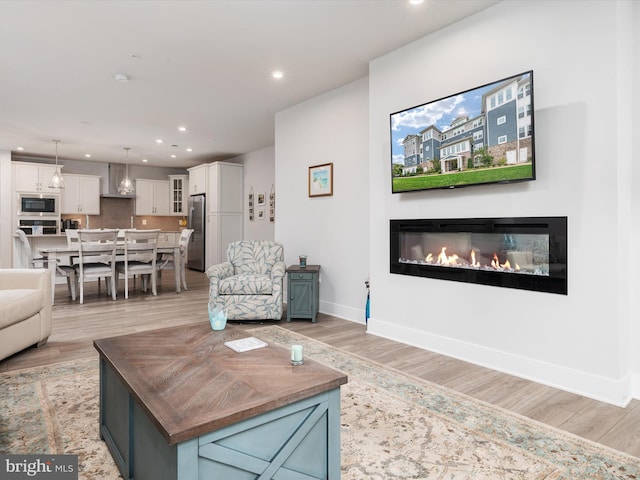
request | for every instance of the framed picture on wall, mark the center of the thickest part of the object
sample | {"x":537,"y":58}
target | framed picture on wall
{"x":272,"y":205}
{"x":261,"y":199}
{"x":251,"y":205}
{"x":321,"y":180}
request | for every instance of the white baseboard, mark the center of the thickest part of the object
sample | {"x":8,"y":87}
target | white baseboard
{"x":614,"y":391}
{"x":635,"y":386}
{"x":343,"y":311}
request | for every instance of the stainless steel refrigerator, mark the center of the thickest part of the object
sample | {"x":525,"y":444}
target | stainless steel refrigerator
{"x":197,"y":221}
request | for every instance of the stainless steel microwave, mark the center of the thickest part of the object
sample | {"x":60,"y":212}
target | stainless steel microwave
{"x":38,"y":205}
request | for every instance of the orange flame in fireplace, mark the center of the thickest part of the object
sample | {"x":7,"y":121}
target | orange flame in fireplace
{"x":451,"y":260}
{"x":443,"y":259}
{"x":495,"y":263}
{"x":474,"y":263}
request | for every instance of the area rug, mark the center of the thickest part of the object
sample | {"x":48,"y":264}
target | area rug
{"x":393,"y":425}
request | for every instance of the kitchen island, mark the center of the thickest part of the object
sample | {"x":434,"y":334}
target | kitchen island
{"x":176,"y":403}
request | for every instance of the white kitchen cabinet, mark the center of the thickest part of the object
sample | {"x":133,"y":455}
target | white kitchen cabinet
{"x":33,"y":177}
{"x":198,"y":179}
{"x":152,"y":197}
{"x":179,"y":194}
{"x":81,"y":194}
{"x":222,"y":229}
{"x":224,"y":209}
{"x":225,"y":187}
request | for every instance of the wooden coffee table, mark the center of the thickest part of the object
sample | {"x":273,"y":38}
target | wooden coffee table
{"x":176,"y":403}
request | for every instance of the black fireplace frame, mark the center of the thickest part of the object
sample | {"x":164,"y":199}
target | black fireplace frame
{"x":555,"y":227}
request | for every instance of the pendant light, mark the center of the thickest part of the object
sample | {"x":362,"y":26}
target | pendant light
{"x":56,"y":179}
{"x":126,"y":187}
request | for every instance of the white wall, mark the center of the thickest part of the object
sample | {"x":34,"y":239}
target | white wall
{"x":634,"y":229}
{"x":6,"y":229}
{"x":332,"y":231}
{"x":579,"y":342}
{"x":259,"y":174}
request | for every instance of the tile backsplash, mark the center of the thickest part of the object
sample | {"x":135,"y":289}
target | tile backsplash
{"x":119,"y":212}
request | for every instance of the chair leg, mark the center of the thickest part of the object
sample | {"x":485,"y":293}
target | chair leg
{"x":154,"y":283}
{"x":72,"y":282}
{"x":114,"y":291}
{"x":183,"y":274}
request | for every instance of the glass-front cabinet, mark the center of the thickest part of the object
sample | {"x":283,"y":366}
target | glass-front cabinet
{"x":179,"y":194}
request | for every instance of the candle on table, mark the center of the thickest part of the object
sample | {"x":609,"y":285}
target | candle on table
{"x":296,"y":355}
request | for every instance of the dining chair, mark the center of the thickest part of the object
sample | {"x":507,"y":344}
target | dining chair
{"x":25,"y":259}
{"x":140,"y":252}
{"x":97,"y":258}
{"x":167,"y":261}
{"x":72,"y":237}
{"x":73,"y":242}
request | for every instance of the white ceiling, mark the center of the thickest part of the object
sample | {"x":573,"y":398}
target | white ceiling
{"x":202,"y":64}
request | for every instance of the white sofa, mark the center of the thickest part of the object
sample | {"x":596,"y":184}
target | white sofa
{"x":25,"y":309}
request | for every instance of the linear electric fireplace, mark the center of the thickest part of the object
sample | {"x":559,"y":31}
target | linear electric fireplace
{"x":528,"y":253}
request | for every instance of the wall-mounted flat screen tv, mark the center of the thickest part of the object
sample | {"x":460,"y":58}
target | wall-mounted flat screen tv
{"x":480,"y":136}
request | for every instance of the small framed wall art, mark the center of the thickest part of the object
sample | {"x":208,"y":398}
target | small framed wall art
{"x":321,"y":180}
{"x":251,"y":206}
{"x":272,"y":205}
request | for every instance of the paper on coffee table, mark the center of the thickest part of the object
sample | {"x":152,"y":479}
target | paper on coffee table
{"x":245,"y":344}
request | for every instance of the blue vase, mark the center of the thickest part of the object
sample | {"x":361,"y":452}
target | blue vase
{"x":217,"y":317}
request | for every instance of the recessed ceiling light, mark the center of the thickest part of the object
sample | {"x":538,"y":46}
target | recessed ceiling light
{"x":20,"y":148}
{"x":173,"y":156}
{"x":144,"y":160}
{"x":87,"y":155}
{"x":121,"y":77}
{"x":182,"y":129}
{"x":416,"y":2}
{"x":277,"y":74}
{"x":158,"y":140}
{"x":189,"y":149}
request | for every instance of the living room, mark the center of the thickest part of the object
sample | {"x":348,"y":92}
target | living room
{"x":586,"y":341}
{"x":586,"y":82}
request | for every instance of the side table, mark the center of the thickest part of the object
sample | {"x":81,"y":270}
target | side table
{"x":303,"y":286}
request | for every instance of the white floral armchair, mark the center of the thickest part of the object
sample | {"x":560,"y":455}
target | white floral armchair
{"x":248,"y":286}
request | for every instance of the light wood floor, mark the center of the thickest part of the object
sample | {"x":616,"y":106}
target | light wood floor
{"x":76,"y":326}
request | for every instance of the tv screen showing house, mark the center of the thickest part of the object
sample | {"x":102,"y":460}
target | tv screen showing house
{"x":484,"y":135}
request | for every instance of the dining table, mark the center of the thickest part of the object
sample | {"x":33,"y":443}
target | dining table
{"x":53,"y":254}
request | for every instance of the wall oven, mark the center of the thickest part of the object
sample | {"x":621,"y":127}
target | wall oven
{"x":30,"y":204}
{"x":39,"y":226}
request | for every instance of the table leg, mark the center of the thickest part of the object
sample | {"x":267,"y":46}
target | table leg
{"x":177,"y":258}
{"x":52,"y":259}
